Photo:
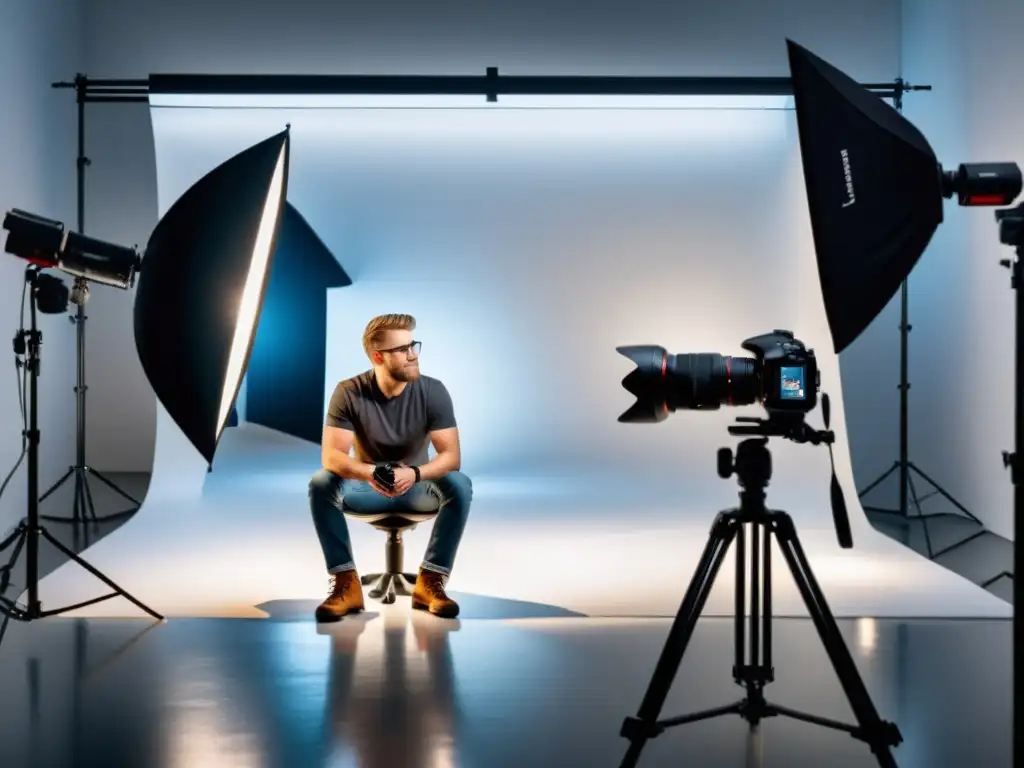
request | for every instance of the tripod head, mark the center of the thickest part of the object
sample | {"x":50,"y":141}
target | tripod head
{"x":788,"y":425}
{"x":753,"y":462}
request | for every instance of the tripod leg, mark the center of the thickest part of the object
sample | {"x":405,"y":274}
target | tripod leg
{"x":5,"y":572}
{"x":3,"y":628}
{"x":88,"y":497}
{"x":80,"y":513}
{"x":58,"y":484}
{"x":942,"y":492}
{"x":77,"y":507}
{"x":924,"y":521}
{"x":877,"y":733}
{"x":99,"y":575}
{"x":879,"y":481}
{"x":113,"y":486}
{"x":644,"y":726}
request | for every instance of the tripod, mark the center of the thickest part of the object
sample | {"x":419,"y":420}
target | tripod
{"x":754,"y":671}
{"x":26,"y":535}
{"x":83,"y":505}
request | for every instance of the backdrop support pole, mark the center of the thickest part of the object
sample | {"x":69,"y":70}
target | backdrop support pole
{"x":83,"y":509}
{"x":903,"y":466}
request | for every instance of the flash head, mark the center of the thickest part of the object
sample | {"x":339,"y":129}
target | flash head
{"x":46,"y":243}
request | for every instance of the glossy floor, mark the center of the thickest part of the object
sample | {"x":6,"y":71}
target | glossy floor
{"x":398,"y":689}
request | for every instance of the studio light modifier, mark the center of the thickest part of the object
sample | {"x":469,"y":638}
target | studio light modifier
{"x":875,"y":191}
{"x":46,"y":243}
{"x":782,"y":376}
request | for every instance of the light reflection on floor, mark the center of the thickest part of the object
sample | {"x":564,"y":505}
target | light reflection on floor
{"x":400,"y":688}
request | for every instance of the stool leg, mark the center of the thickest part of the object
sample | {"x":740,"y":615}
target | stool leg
{"x":391,"y":595}
{"x":394,"y":552}
{"x":381,"y":587}
{"x":403,"y":586}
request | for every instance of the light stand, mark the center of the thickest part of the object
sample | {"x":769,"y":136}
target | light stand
{"x":1011,"y":232}
{"x":26,"y":535}
{"x":83,"y":508}
{"x":753,"y":670}
{"x":903,"y":465}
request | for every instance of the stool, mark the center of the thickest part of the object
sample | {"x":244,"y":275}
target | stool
{"x":392,"y":582}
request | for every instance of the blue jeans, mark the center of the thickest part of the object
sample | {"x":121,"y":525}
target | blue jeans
{"x":329,"y":494}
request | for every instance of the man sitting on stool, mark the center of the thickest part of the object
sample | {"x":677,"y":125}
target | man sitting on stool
{"x":390,"y":414}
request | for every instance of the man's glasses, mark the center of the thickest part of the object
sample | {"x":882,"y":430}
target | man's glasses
{"x":409,"y":350}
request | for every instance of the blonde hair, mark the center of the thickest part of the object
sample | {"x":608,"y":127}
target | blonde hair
{"x":380,"y":325}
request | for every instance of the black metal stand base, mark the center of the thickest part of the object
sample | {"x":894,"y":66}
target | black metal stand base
{"x":387,"y":587}
{"x":907,"y":470}
{"x":84,"y":510}
{"x":29,"y":531}
{"x":18,"y":539}
{"x":754,"y":670}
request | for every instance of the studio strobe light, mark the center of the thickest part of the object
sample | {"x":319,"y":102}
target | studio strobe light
{"x":198,"y":302}
{"x":46,"y":243}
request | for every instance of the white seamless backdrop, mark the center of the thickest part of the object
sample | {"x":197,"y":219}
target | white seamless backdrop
{"x":530,"y":240}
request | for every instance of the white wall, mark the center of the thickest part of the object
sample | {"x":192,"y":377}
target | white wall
{"x":39,"y":45}
{"x":128,"y":38}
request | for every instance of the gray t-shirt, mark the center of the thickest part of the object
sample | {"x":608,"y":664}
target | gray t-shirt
{"x":393,"y":429}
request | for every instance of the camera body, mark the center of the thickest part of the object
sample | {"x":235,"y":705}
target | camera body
{"x":789,"y":372}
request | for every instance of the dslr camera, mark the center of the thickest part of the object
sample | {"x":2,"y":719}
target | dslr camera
{"x":782,"y":376}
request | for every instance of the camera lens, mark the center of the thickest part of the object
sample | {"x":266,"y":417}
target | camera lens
{"x":709,"y":380}
{"x":705,"y":381}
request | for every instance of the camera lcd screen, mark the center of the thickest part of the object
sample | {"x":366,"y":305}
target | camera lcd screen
{"x":791,"y":383}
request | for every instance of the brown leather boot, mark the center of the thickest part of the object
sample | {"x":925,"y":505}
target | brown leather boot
{"x":429,"y":595}
{"x":345,"y":597}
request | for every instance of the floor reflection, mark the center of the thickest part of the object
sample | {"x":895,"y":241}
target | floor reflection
{"x":400,"y":688}
{"x":391,"y":698}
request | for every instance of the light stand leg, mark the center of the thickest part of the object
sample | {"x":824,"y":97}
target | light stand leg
{"x":907,"y":493}
{"x":30,"y":530}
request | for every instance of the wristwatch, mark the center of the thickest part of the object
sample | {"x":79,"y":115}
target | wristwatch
{"x":417,"y":471}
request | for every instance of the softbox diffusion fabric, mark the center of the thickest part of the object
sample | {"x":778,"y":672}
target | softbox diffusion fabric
{"x":874,"y":190}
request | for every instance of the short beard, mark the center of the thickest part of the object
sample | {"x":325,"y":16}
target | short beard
{"x":405,"y":374}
